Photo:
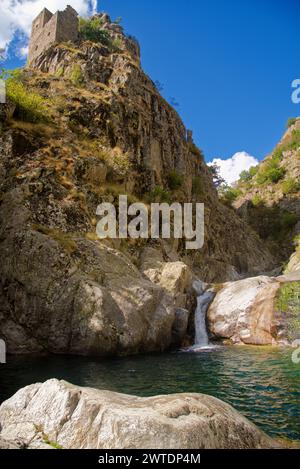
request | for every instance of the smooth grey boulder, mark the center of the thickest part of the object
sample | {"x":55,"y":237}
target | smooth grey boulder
{"x":59,"y":414}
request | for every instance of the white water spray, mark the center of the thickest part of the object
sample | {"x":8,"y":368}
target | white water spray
{"x":204,"y":299}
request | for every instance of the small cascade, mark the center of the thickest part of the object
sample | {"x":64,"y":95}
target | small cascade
{"x":204,"y":299}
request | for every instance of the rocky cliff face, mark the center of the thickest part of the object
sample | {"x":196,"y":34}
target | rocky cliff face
{"x":270,"y":197}
{"x":108,"y":132}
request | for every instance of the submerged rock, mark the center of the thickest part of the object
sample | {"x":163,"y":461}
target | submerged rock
{"x":59,"y":414}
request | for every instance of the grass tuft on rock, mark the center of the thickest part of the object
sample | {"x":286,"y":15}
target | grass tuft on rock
{"x":288,"y":303}
{"x":30,"y":107}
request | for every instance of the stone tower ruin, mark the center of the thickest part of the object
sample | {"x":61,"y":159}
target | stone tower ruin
{"x":49,"y":28}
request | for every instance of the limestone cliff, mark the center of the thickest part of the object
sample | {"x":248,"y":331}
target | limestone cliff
{"x":100,"y":128}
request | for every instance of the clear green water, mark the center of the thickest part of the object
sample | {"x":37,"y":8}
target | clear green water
{"x":263,"y":384}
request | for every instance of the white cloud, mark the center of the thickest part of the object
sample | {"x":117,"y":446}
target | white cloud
{"x":16,"y":16}
{"x":94,"y":4}
{"x":23,"y":51}
{"x":231,"y":168}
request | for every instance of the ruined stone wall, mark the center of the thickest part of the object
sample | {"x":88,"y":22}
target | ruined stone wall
{"x":48,"y":29}
{"x":67,"y":26}
{"x":43,"y":39}
{"x":39,"y":22}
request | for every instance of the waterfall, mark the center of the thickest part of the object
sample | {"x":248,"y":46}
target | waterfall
{"x":204,"y":299}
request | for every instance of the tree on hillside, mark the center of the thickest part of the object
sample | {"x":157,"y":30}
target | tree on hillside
{"x":218,"y":180}
{"x":159,"y":86}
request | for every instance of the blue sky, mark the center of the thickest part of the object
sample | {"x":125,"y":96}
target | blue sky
{"x":229,"y":64}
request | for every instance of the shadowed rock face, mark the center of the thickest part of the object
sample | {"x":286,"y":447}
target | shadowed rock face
{"x":64,"y":415}
{"x":93,"y":302}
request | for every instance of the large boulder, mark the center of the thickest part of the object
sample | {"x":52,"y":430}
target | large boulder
{"x":59,"y":414}
{"x":251,"y":311}
{"x":174,"y":277}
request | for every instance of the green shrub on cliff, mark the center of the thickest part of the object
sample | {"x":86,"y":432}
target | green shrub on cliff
{"x":175,"y":180}
{"x":30,"y":107}
{"x":92,"y":30}
{"x":158,"y":195}
{"x":290,"y":186}
{"x":291,"y":122}
{"x":277,"y":156}
{"x":291,"y":143}
{"x":117,"y":44}
{"x":270,"y":173}
{"x":76,"y":75}
{"x":257,"y":200}
{"x":245,"y":176}
{"x":229,"y":194}
{"x":294,"y":141}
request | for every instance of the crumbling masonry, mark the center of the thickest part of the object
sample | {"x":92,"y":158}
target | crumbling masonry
{"x":49,"y":28}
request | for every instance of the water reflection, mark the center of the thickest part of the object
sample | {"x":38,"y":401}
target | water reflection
{"x":262,"y":384}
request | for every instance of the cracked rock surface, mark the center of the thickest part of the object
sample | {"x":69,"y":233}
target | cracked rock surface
{"x":60,"y":415}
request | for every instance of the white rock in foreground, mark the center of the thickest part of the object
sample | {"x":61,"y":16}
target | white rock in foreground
{"x":58,"y":413}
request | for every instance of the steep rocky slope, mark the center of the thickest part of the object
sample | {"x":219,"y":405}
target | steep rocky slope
{"x":100,"y":128}
{"x":270,"y":195}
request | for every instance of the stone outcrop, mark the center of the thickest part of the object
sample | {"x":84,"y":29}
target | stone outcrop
{"x":175,"y":277}
{"x":247,"y":311}
{"x":60,"y":415}
{"x":294,"y":263}
{"x":272,"y":208}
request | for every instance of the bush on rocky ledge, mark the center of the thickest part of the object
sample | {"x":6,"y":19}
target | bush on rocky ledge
{"x":30,"y":107}
{"x":290,"y":186}
{"x":92,"y":30}
{"x":229,"y":194}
